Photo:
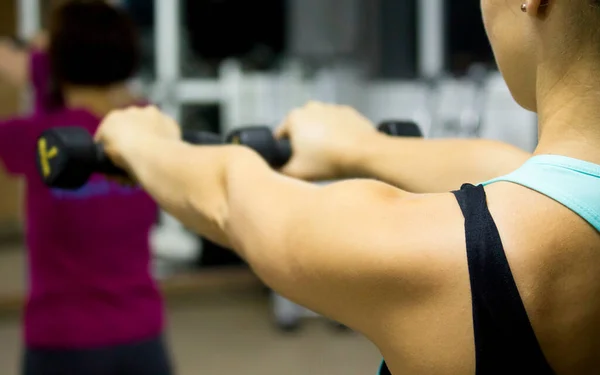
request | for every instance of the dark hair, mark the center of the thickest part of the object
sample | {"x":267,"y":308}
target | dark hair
{"x":92,"y":43}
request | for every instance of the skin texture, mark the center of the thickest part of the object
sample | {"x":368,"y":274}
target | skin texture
{"x":389,"y":263}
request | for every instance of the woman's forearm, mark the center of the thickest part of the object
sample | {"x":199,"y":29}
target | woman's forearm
{"x":431,"y":166}
{"x":187,"y":181}
{"x":227,"y":194}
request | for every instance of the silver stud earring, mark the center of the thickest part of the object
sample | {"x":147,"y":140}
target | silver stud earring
{"x":524,"y":7}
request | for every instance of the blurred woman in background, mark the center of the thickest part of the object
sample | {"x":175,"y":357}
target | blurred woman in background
{"x":93,"y":305}
{"x":25,"y":63}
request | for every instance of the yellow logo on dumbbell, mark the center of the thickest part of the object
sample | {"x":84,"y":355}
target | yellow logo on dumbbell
{"x":45,"y":156}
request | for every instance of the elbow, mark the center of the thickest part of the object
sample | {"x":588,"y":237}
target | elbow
{"x":262,"y":214}
{"x":277,"y":266}
{"x":211,"y":202}
{"x":269,"y":256}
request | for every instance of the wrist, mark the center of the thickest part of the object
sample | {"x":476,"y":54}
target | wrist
{"x":130,"y":152}
{"x":354,"y":159}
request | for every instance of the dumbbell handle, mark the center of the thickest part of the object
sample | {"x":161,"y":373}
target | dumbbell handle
{"x":284,"y":149}
{"x":105,"y":166}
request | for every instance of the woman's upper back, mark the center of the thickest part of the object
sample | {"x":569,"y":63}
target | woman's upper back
{"x":553,"y":245}
{"x":554,"y":257}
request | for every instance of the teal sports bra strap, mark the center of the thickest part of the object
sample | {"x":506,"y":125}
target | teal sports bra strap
{"x":571,"y":182}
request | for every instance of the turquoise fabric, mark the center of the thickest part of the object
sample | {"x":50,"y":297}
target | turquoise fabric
{"x":572,"y":182}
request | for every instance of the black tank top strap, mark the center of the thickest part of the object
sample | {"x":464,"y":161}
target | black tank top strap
{"x":505,"y":342}
{"x":384,"y":370}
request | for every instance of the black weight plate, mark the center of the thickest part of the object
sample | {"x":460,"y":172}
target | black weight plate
{"x":65,"y":157}
{"x":50,"y":160}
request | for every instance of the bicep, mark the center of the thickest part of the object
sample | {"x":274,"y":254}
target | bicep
{"x":341,"y":250}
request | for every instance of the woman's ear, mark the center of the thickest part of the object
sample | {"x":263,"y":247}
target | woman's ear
{"x":535,"y":8}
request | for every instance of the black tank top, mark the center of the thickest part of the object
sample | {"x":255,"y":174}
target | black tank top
{"x":505,"y":342}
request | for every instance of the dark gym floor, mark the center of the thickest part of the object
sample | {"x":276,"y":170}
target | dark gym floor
{"x":229,"y":332}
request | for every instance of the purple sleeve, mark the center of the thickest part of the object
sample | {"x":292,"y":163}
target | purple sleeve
{"x":17,"y":144}
{"x":40,"y":80}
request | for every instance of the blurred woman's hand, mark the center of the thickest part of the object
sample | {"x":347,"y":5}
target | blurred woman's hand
{"x":324,"y":139}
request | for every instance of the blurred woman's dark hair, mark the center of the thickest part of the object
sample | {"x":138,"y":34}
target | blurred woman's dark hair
{"x":92,"y":44}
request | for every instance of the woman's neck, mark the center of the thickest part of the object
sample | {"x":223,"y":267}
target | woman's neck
{"x":569,"y":116}
{"x":99,"y":101}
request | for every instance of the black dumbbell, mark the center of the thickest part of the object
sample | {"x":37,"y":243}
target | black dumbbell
{"x":68,"y":156}
{"x":400,"y":128}
{"x":276,"y":152}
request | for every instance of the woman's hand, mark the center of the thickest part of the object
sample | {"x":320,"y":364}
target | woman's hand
{"x":122,"y":132}
{"x":324,"y":140}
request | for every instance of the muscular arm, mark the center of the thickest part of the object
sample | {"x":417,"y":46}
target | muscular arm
{"x":341,"y":250}
{"x":433,"y":165}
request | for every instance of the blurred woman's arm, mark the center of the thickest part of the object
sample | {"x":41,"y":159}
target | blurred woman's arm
{"x":14,"y":63}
